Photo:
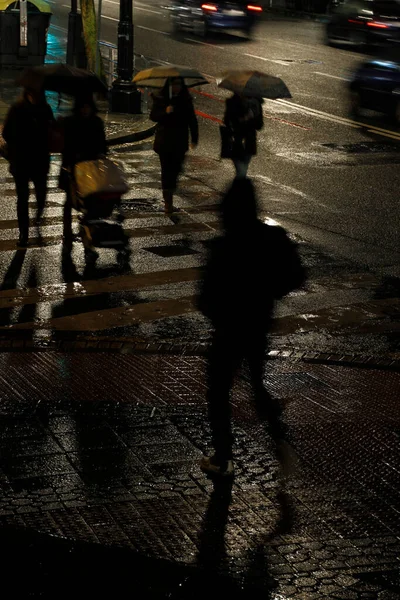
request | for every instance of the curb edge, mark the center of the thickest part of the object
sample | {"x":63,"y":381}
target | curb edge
{"x":136,"y":136}
{"x":388,"y":362}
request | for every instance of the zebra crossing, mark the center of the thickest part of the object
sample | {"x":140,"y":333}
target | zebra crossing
{"x":45,"y":294}
{"x":42,"y":290}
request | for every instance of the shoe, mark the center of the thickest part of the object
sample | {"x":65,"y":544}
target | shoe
{"x":22,"y":242}
{"x":209,"y":464}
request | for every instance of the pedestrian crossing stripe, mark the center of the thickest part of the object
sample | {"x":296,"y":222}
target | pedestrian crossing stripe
{"x":178,"y":282}
{"x":330,"y":319}
{"x":122,"y":283}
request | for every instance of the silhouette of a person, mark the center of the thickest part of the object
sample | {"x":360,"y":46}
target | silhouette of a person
{"x":248,"y":268}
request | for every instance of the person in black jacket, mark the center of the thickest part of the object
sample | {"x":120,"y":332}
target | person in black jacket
{"x":243,"y":117}
{"x":251,"y":266}
{"x":26,"y":132}
{"x":174,"y":114}
{"x":84,"y":139}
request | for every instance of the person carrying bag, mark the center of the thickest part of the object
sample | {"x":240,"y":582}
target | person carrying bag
{"x":242,"y":119}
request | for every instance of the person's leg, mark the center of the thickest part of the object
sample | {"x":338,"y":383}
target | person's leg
{"x":256,"y":349}
{"x":22,"y":189}
{"x":246,"y":164}
{"x":241,"y":166}
{"x":67,"y":220}
{"x":171,"y":166}
{"x":40,"y":182}
{"x":223,"y":362}
{"x":167,"y":191}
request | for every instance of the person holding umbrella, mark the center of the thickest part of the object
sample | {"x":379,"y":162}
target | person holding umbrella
{"x":243,"y":118}
{"x":174,"y":114}
{"x":26,"y":132}
{"x":30,"y":127}
{"x":243,"y":115}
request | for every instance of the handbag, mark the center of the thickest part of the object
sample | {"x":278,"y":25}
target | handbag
{"x":101,"y":176}
{"x":226,"y":142}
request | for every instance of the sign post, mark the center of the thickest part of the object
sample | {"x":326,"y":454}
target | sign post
{"x":23,"y":23}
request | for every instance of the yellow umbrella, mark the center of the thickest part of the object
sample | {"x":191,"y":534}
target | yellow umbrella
{"x":157,"y":77}
{"x":43,"y":6}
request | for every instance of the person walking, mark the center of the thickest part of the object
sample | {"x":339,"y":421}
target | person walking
{"x":248,"y":269}
{"x":243,"y":118}
{"x":174,"y":114}
{"x":84,"y":139}
{"x":27,"y":131}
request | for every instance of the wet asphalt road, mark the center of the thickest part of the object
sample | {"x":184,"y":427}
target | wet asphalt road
{"x":330,"y":181}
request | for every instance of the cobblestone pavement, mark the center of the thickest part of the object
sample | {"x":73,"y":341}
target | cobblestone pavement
{"x":104,"y":448}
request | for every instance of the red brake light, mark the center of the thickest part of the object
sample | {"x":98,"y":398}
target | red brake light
{"x":255,"y":8}
{"x":210,"y":7}
{"x":378,"y":25}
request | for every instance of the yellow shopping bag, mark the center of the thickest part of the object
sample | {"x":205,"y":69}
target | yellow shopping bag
{"x":101,"y":176}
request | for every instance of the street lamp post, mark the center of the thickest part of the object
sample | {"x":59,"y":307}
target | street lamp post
{"x":76,"y":54}
{"x":125,"y":97}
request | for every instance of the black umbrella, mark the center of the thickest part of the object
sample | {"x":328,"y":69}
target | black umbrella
{"x":254,"y":84}
{"x":62,"y":79}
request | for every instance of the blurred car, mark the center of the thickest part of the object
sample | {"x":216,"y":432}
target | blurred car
{"x":364,"y":22}
{"x":202,"y":17}
{"x":376,"y":85}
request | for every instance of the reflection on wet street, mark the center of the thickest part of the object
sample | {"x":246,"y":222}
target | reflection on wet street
{"x":117,"y":465}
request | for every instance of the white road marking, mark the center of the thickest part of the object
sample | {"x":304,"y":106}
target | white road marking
{"x":58,"y":28}
{"x":110,"y":18}
{"x":153,"y":30}
{"x":136,"y":6}
{"x":391,"y":135}
{"x":276,"y":61}
{"x":328,"y":75}
{"x":341,"y":120}
{"x":287,"y":43}
{"x":204,"y":43}
{"x":154,"y":12}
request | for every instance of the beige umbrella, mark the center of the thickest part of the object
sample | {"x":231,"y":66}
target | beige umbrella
{"x":254,"y":84}
{"x":157,"y":77}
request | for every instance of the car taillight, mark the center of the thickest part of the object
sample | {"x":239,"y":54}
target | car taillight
{"x":378,"y":25}
{"x":254,"y":7}
{"x":209,"y":7}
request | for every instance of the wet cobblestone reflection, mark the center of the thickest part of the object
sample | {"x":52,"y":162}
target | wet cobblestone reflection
{"x":104,"y":449}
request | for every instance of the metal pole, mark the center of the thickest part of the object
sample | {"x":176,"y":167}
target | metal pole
{"x":71,"y":42}
{"x":99,"y":21}
{"x":125,"y":97}
{"x":76,"y":54}
{"x":125,"y":40}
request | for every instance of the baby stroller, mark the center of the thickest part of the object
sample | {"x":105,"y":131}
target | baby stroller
{"x":97,"y":189}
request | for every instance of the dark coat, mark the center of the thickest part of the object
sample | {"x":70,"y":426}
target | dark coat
{"x":26,"y":131}
{"x":243,"y":117}
{"x":172,"y":131}
{"x":247,"y":270}
{"x":84,"y":139}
